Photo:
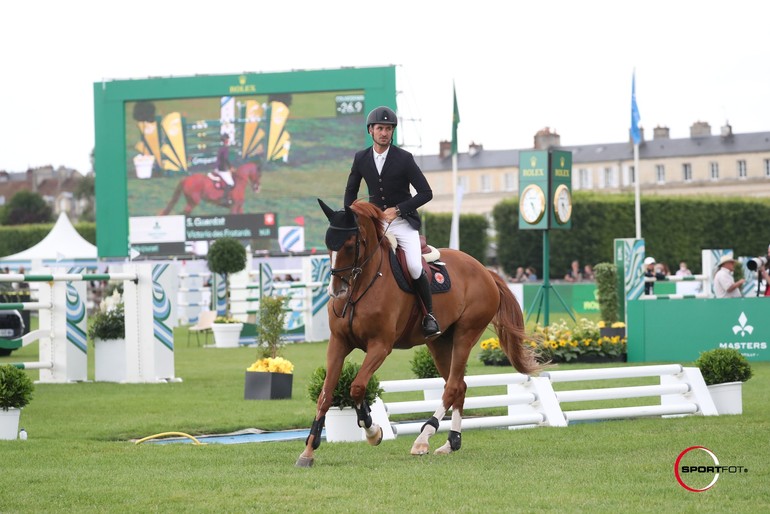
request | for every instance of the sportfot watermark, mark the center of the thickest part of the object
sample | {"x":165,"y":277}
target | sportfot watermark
{"x":698,"y":473}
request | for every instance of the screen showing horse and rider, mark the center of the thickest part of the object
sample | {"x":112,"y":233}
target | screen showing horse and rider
{"x":242,"y":155}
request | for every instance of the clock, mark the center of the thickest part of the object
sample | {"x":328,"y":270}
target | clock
{"x":532,"y":204}
{"x":562,"y":204}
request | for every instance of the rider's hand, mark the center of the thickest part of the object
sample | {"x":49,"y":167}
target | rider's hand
{"x":390,"y":214}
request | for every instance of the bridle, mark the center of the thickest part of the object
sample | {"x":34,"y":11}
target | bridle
{"x":354,"y":271}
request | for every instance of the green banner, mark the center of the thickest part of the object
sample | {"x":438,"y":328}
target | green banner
{"x":679,"y":330}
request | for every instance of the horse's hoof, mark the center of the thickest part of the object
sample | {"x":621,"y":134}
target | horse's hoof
{"x":444,"y":450}
{"x":304,"y":462}
{"x":419,"y":449}
{"x":375,"y":439}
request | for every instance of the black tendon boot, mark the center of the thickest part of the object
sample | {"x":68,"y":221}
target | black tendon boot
{"x":429,"y":324}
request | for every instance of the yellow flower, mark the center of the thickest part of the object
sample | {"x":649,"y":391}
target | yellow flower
{"x":268,"y":364}
{"x":601,"y":324}
{"x":618,"y":324}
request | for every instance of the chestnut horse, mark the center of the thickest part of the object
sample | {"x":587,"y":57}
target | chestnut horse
{"x":200,"y":187}
{"x":368,"y":310}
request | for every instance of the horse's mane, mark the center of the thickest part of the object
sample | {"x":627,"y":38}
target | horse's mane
{"x":364,"y":209}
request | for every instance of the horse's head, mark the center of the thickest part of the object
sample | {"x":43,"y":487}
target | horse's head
{"x":251,"y":172}
{"x":350,"y":237}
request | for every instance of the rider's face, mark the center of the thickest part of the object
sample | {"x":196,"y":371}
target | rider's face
{"x":381,"y":134}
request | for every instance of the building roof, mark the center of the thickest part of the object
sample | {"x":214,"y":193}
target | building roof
{"x":654,"y":149}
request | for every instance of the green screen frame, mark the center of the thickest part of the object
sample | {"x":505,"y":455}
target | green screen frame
{"x":378,"y":83}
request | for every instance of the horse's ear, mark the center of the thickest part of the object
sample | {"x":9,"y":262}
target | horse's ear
{"x":327,"y":210}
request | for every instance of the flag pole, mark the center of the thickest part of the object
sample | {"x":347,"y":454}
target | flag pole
{"x":454,"y":231}
{"x":636,"y":136}
{"x":637,"y":200}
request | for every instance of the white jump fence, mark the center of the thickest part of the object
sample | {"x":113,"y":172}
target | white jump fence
{"x":62,"y":326}
{"x":306,"y":318}
{"x":532,"y":401}
{"x":693,"y":280}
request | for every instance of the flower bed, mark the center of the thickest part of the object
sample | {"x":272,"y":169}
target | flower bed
{"x":561,"y":343}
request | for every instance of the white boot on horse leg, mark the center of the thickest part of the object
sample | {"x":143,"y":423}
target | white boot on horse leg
{"x":421,"y":445}
{"x":374,"y":434}
{"x":455,"y":438}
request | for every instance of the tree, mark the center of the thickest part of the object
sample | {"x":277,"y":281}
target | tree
{"x":85,"y":190}
{"x":27,"y":207}
{"x":226,"y":255}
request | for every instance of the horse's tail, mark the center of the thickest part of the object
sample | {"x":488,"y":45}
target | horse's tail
{"x":174,"y":198}
{"x":510,"y":328}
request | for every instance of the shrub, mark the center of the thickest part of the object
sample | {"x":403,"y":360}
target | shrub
{"x":422,"y":364}
{"x":108,"y":324}
{"x":15,"y":387}
{"x":341,"y":396}
{"x":722,"y":365}
{"x":271,"y":321}
{"x":607,"y":291}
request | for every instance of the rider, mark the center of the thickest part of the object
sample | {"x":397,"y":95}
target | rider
{"x":389,"y":171}
{"x":224,"y":170}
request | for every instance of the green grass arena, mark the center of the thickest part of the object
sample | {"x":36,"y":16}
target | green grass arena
{"x":79,"y":457}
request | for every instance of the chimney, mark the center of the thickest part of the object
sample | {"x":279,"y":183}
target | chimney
{"x":444,"y":149}
{"x":727,"y":130}
{"x":700,"y":129}
{"x":475,"y":148}
{"x":545,"y":139}
{"x":660,"y":133}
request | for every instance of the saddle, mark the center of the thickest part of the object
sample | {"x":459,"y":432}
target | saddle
{"x":438,"y":277}
{"x":219,"y":182}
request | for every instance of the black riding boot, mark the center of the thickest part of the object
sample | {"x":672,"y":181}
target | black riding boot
{"x":430,"y":326}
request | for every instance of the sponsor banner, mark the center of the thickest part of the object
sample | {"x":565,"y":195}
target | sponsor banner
{"x":291,"y":239}
{"x":679,"y":330}
{"x":156,"y":229}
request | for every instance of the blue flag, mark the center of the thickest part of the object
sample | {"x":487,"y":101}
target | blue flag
{"x":636,"y":135}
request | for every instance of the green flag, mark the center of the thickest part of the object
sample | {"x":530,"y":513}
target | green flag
{"x":455,"y":121}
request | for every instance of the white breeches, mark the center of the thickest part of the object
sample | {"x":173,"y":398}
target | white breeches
{"x":408,"y":239}
{"x":227,"y":176}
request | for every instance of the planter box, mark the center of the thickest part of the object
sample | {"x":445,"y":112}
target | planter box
{"x":9,"y":423}
{"x":110,"y":360}
{"x":612,"y":332}
{"x":227,"y":335}
{"x":728,"y":397}
{"x":342,"y":426}
{"x":264,"y":385}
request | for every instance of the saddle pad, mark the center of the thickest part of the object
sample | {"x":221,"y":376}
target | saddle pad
{"x":440,"y":282}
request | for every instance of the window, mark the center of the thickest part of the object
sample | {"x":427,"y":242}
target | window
{"x":628,"y":176}
{"x":687,"y":172}
{"x":609,"y":177}
{"x":741,"y":169}
{"x":509,"y":182}
{"x":486,"y":183}
{"x":462,"y":183}
{"x":660,"y":173}
{"x":767,"y":168}
{"x":584,"y":178}
{"x":714,"y":170}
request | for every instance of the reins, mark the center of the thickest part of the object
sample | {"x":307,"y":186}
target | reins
{"x":355,"y":271}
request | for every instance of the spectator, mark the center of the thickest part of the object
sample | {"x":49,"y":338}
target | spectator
{"x":683,"y":270}
{"x":764,"y":273}
{"x":588,"y":272}
{"x":650,"y":271}
{"x":574,"y":274}
{"x":520,"y":275}
{"x":725,"y":286}
{"x":531,"y":274}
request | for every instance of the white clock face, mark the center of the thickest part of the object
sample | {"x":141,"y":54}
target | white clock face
{"x":532,"y":204}
{"x":562,"y":204}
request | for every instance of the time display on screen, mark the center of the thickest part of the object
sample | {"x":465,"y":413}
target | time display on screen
{"x":349,"y":104}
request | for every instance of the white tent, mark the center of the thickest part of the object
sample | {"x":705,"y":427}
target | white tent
{"x":62,"y":245}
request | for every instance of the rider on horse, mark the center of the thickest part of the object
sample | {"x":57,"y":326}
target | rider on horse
{"x":388,"y":172}
{"x":224,"y":170}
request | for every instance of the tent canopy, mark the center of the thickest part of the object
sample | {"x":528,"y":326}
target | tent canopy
{"x":63,"y":243}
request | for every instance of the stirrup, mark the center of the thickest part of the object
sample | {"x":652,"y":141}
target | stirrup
{"x":430,"y":326}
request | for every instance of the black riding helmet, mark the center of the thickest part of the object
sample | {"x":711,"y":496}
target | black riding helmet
{"x":382,"y":115}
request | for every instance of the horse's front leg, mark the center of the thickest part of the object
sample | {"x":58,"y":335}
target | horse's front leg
{"x":334,"y":361}
{"x":375,"y":356}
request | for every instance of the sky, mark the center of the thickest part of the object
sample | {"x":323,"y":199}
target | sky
{"x":517,"y":66}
